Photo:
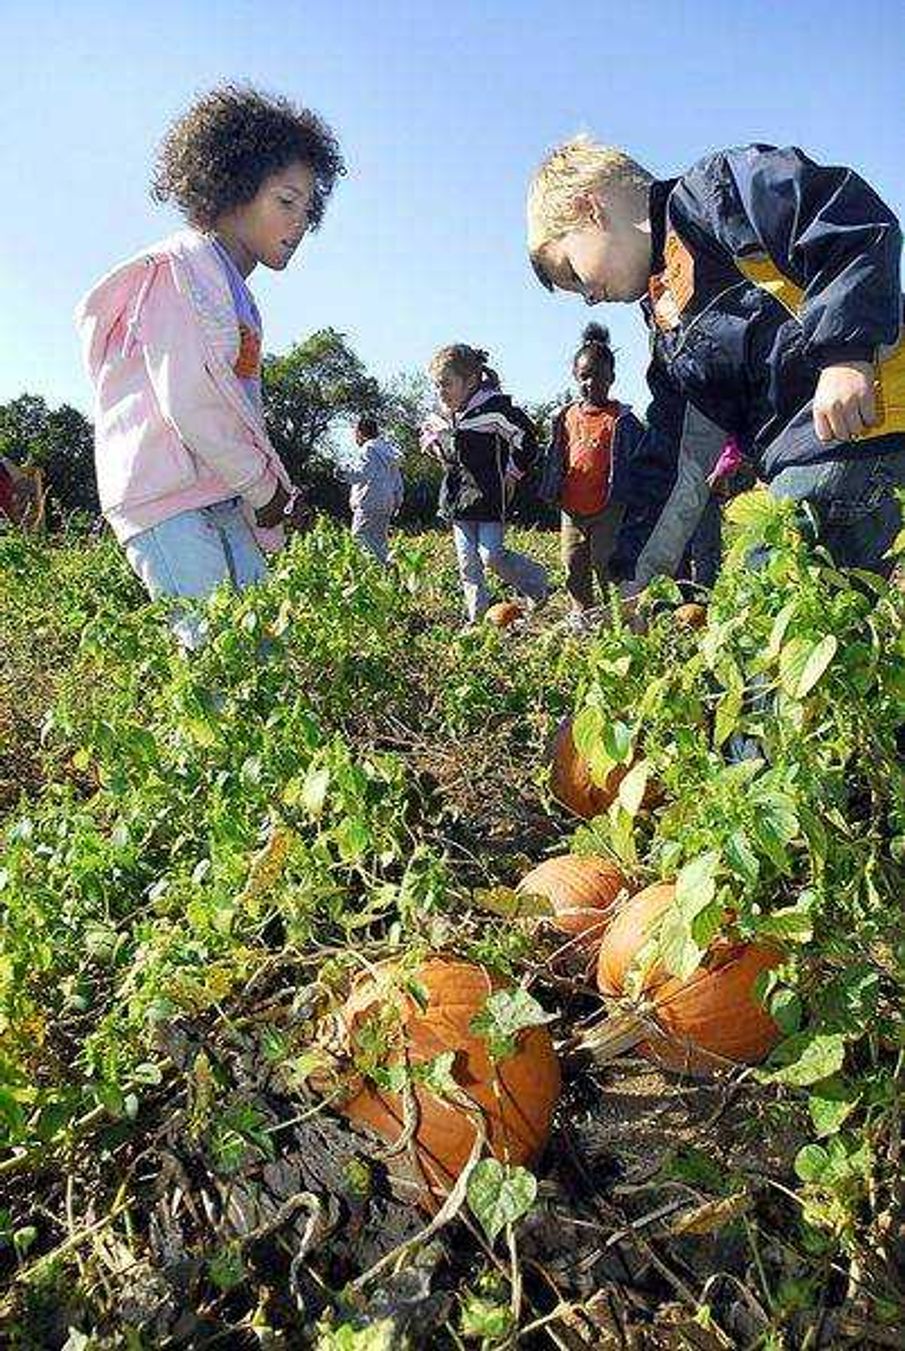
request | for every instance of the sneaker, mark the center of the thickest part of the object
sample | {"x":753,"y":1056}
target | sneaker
{"x":580,"y":622}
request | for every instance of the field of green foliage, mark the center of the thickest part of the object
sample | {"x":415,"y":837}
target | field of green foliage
{"x":199,"y":856}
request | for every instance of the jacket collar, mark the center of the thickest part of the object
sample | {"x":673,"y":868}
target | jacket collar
{"x":658,"y":202}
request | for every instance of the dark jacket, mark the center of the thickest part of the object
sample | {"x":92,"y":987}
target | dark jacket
{"x":766,"y":268}
{"x":478,"y":447}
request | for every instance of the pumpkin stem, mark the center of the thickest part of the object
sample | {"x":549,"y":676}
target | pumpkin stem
{"x":616,"y":1035}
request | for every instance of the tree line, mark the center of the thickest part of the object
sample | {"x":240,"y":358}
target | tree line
{"x":310,"y":392}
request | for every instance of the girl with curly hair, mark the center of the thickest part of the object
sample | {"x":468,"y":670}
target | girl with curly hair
{"x":187,"y":476}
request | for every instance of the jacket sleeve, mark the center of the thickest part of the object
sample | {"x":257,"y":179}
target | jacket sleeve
{"x":518,"y":430}
{"x":700,"y":446}
{"x":668,"y":488}
{"x":827,"y":230}
{"x":552,"y":462}
{"x":188,"y":395}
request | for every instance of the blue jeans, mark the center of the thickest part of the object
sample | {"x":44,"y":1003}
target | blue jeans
{"x":479,"y":545}
{"x":856,"y":508}
{"x":191,"y":554}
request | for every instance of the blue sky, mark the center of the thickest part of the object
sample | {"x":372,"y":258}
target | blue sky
{"x":443,"y":111}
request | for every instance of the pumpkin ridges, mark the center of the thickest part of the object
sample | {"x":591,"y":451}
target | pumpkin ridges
{"x":581,"y":891}
{"x":571,"y":783}
{"x":709,"y":1018}
{"x":516,"y":1096}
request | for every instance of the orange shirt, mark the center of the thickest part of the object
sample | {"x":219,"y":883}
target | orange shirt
{"x":589,"y":441}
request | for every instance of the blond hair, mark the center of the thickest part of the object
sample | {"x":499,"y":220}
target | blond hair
{"x":572,"y":169}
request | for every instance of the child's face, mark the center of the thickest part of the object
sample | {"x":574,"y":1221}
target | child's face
{"x":454,"y":390}
{"x":270,"y":227}
{"x":593,"y":375}
{"x":606,"y":257}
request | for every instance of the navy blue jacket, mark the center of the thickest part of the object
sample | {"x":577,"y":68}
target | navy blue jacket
{"x":766,"y":267}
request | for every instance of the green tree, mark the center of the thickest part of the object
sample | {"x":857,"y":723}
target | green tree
{"x":317,"y":384}
{"x":60,"y":441}
{"x":407,"y":399}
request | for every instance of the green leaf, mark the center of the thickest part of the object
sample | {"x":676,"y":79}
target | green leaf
{"x":741,"y":858}
{"x":437,"y":1076}
{"x":802,"y":663}
{"x":696,"y":884}
{"x":819,"y":659}
{"x":806,"y":1058}
{"x":505,"y":1014}
{"x":352,"y":838}
{"x":510,"y":903}
{"x":728,"y":712}
{"x":811,"y":1163}
{"x":830,"y":1103}
{"x":793,"y":660}
{"x":617,"y":741}
{"x":499,"y":1195}
{"x":314,"y":791}
{"x":785,"y":1010}
{"x":792,"y":924}
{"x":778,"y":632}
{"x":751,"y":510}
{"x":632,"y":787}
{"x":587,"y":730}
{"x":678,"y":951}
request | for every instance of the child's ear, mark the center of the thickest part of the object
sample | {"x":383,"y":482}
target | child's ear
{"x":594,"y":209}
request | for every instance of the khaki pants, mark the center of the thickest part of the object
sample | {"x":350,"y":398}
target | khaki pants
{"x":587,"y":544}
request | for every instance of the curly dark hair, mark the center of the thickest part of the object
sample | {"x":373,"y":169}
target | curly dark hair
{"x":217,"y":155}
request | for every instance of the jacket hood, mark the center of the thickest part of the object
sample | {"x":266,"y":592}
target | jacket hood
{"x":116,"y":300}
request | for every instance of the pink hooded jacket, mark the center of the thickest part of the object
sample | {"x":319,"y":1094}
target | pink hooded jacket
{"x":173,"y":427}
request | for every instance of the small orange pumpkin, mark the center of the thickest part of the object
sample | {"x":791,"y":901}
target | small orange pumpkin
{"x":581,"y":890}
{"x":690,"y":616}
{"x":570,"y":777}
{"x":571,"y":782}
{"x":504,"y":614}
{"x":517,"y":1094}
{"x":702,"y":1022}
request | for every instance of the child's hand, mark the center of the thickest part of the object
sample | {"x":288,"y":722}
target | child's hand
{"x":271,"y":513}
{"x":845,"y":403}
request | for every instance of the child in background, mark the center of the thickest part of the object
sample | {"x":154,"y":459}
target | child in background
{"x":485,"y":444}
{"x":593,"y":442}
{"x":771,"y":288}
{"x":18,"y":491}
{"x":187,"y":476}
{"x":377,"y":489}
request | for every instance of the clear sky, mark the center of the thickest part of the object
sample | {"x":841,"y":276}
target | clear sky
{"x":442,"y":111}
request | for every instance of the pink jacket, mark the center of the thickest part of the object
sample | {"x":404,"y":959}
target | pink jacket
{"x":173,"y":428}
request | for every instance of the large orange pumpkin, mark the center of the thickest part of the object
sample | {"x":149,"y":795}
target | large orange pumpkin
{"x":698,"y":1024}
{"x":504,"y":613}
{"x":581,"y":891}
{"x":516,"y":1095}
